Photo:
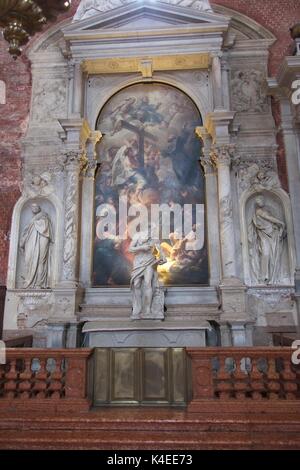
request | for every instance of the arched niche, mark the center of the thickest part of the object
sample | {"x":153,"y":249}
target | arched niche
{"x":149,"y":153}
{"x":22,"y":215}
{"x":276,"y":203}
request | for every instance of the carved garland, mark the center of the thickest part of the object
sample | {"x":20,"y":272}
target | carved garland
{"x":73,"y":165}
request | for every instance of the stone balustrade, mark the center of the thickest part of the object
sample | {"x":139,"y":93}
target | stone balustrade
{"x":241,"y":375}
{"x":239,"y":379}
{"x":36,"y":379}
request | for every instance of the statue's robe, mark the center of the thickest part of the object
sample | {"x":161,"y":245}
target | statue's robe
{"x":35,"y":241}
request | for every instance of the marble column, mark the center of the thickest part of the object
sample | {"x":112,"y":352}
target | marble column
{"x":217,"y":82}
{"x":225,"y":70}
{"x":70,"y":87}
{"x":72,"y":203}
{"x":291,"y":137}
{"x":87,"y":210}
{"x":211,"y":207}
{"x":77,"y":90}
{"x":221,"y":157}
{"x":282,"y":87}
{"x":68,"y":293}
{"x":232,"y":290}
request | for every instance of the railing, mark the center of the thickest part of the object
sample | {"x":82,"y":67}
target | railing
{"x":224,"y":380}
{"x":55,"y":379}
{"x":243,"y":375}
{"x":19,"y":342}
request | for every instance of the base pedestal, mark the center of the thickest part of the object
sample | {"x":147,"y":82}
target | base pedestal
{"x":144,"y":333}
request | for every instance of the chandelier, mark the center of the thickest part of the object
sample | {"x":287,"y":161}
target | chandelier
{"x":21,"y":19}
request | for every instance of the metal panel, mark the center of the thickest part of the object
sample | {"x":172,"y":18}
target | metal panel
{"x":124,"y":374}
{"x":140,"y":376}
{"x":155,"y":375}
{"x":101,"y":376}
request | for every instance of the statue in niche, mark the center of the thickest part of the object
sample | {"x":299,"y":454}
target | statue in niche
{"x":35,"y":244}
{"x":266,"y":235}
{"x":148,"y":297}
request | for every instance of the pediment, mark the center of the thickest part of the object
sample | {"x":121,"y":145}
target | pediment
{"x":145,"y":15}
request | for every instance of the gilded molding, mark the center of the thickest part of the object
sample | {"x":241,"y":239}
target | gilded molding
{"x":146,"y":65}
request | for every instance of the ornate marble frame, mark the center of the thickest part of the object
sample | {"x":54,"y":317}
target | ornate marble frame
{"x":87,"y":213}
{"x":74,"y":53}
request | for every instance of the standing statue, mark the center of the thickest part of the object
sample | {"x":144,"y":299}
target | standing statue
{"x":266,"y":241}
{"x":148,"y":297}
{"x":88,"y":8}
{"x":35,"y":244}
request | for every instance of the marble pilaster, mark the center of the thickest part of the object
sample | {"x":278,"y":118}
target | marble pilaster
{"x":282,"y":87}
{"x":233,"y":292}
{"x":87,"y":209}
{"x":77,"y":90}
{"x":221,"y":156}
{"x":70,"y":254}
{"x":211,"y":189}
{"x":217,"y":81}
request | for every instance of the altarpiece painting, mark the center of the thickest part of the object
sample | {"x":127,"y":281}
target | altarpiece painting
{"x":149,"y":154}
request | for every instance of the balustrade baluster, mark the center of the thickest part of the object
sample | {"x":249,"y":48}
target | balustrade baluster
{"x":40,"y":379}
{"x":224,"y":380}
{"x":288,"y":380}
{"x":273,"y":380}
{"x":240,"y":379}
{"x":25,"y":379}
{"x":10,"y":377}
{"x":56,"y":386}
{"x":256,"y":377}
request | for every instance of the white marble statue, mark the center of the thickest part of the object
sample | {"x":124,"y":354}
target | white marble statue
{"x":148,"y":298}
{"x":88,"y":8}
{"x":266,"y":236}
{"x":35,"y":244}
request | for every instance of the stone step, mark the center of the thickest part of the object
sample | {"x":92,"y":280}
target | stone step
{"x":148,"y":428}
{"x":155,"y":440}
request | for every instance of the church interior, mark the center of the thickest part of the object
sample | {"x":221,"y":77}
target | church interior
{"x":150,"y":224}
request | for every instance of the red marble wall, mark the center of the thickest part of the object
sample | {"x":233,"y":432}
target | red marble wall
{"x":276,"y":15}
